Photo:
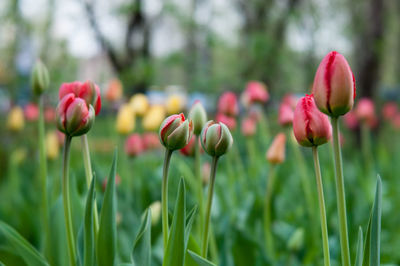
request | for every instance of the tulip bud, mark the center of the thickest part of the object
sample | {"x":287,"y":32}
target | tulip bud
{"x":88,"y":91}
{"x":334,"y":85}
{"x":39,"y":78}
{"x":276,"y":152}
{"x":134,"y":145}
{"x":310,"y":126}
{"x":389,"y":110}
{"x":229,"y":121}
{"x":31,"y":112}
{"x":248,"y":127}
{"x":15,"y":120}
{"x":216,"y":139}
{"x":189,"y":149}
{"x":228,"y":104}
{"x":350,"y":120}
{"x":205,"y":173}
{"x":49,"y":115}
{"x":155,"y":208}
{"x":125,"y":120}
{"x":175,"y":132}
{"x":285,"y":116}
{"x":256,"y":92}
{"x":139,"y":104}
{"x":52,"y":145}
{"x":198,"y":116}
{"x":74,"y":117}
{"x":151,"y":141}
{"x":114,"y":90}
{"x":153,"y":118}
{"x":365,"y":110}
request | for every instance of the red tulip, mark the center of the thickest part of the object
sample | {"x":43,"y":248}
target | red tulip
{"x":189,"y":149}
{"x":334,"y":85}
{"x":389,"y":110}
{"x":31,"y":112}
{"x":88,"y":91}
{"x":310,"y":126}
{"x":151,"y":141}
{"x":351,"y":120}
{"x":229,"y":121}
{"x":285,"y":116}
{"x":228,"y":104}
{"x":49,"y":115}
{"x":256,"y":92}
{"x":134,"y":145}
{"x":365,"y":109}
{"x":248,"y":127}
{"x":175,"y":132}
{"x":291,"y":100}
{"x":276,"y":151}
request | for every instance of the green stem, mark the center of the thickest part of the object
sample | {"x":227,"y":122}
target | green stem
{"x":322,"y":212}
{"x":164,"y":197}
{"x":89,"y":175}
{"x":197,"y":166}
{"x":208,"y":206}
{"x":340,"y":194}
{"x":67,"y":203}
{"x":269,"y":241}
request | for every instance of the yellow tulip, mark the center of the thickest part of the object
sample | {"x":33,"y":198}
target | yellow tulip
{"x":139,"y":104}
{"x":175,"y":104}
{"x":52,"y":145}
{"x":125,"y":120}
{"x":15,"y":121}
{"x":154,"y":117}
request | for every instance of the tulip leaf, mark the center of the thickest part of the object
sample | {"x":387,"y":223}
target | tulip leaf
{"x":107,"y":235}
{"x":141,"y":254}
{"x":189,"y":223}
{"x":175,"y":251}
{"x":196,"y":260}
{"x":359,"y":254}
{"x":21,"y":246}
{"x":88,"y":230}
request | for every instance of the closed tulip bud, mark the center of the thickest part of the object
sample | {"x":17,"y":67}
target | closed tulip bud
{"x":291,"y":100}
{"x":31,"y":112}
{"x":198,"y":116}
{"x":256,"y":92}
{"x":276,"y":152}
{"x":15,"y":120}
{"x":365,"y":110}
{"x":389,"y":110}
{"x":74,"y":117}
{"x":49,"y":115}
{"x":216,"y":139}
{"x":125,"y":120}
{"x":151,"y":141}
{"x":175,"y":132}
{"x":175,"y":104}
{"x":334,"y":85}
{"x":39,"y":78}
{"x":52,"y":145}
{"x":229,"y":121}
{"x":155,"y":208}
{"x":153,"y":118}
{"x":228,"y":104}
{"x":285,"y":116}
{"x":87,"y":91}
{"x":139,"y":104}
{"x":310,"y":126}
{"x":189,"y":149}
{"x":350,"y":120}
{"x":248,"y":127}
{"x":134,"y":145}
{"x":114,"y":90}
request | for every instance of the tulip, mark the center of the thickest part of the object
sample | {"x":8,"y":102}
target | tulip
{"x":228,"y":104}
{"x":285,"y":115}
{"x":291,"y":100}
{"x":216,"y":139}
{"x":365,"y":109}
{"x":175,"y":132}
{"x":52,"y":145}
{"x":205,"y":173}
{"x":39,"y":78}
{"x":134,"y":145}
{"x":155,"y":208}
{"x":15,"y":120}
{"x":229,"y":121}
{"x":153,"y":118}
{"x":151,"y":141}
{"x":351,"y":120}
{"x":334,"y":85}
{"x":139,"y":104}
{"x":73,"y":116}
{"x":310,"y":126}
{"x":198,"y":116}
{"x":125,"y":120}
{"x":389,"y":110}
{"x":50,"y":115}
{"x":190,"y":148}
{"x":276,"y":151}
{"x":248,"y":127}
{"x":114,"y":90}
{"x":31,"y":112}
{"x":256,"y":92}
{"x":88,"y":91}
{"x":174,"y":104}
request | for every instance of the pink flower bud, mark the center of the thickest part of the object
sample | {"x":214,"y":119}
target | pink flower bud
{"x":31,"y":112}
{"x":256,"y":92}
{"x":229,"y":121}
{"x":350,"y":120}
{"x":73,"y":116}
{"x":389,"y":110}
{"x":175,"y":132}
{"x":249,"y":127}
{"x":88,"y":91}
{"x":151,"y":141}
{"x":276,"y":151}
{"x":228,"y":104}
{"x":365,"y":109}
{"x":285,"y":115}
{"x":50,"y":115}
{"x":216,"y":138}
{"x":334,"y":85}
{"x":310,"y":126}
{"x":134,"y":145}
{"x":291,"y":100}
{"x":189,"y":149}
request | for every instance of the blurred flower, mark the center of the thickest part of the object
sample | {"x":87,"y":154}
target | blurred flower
{"x":285,"y":115}
{"x":205,"y":173}
{"x":216,"y":139}
{"x":31,"y":112}
{"x":114,"y":90}
{"x":125,"y":120}
{"x":151,"y":141}
{"x":117,"y":182}
{"x":39,"y":78}
{"x":155,"y":208}
{"x":50,"y":115}
{"x":18,"y":156}
{"x":334,"y":86}
{"x":189,"y":149}
{"x":52,"y":145}
{"x":174,"y":104}
{"x":139,"y":104}
{"x":389,"y":110}
{"x":153,"y":118}
{"x":351,"y":120}
{"x":60,"y":137}
{"x":248,"y":126}
{"x":276,"y":151}
{"x":134,"y":145}
{"x":15,"y":120}
{"x":228,"y":104}
{"x":310,"y":126}
{"x":175,"y":132}
{"x":291,"y":100}
{"x":198,"y":116}
{"x":365,"y":109}
{"x":255,"y":92}
{"x":229,"y":121}
{"x":88,"y":91}
{"x":396,"y":121}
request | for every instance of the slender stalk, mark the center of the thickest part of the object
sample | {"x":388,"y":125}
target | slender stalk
{"x":197,"y":169}
{"x":340,"y":194}
{"x":67,"y":203}
{"x":89,"y":175}
{"x":164,"y":197}
{"x":208,"y":206}
{"x":269,"y":241}
{"x":43,"y":174}
{"x":322,"y":212}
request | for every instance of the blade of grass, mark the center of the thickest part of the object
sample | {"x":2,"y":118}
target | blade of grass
{"x":141,"y":254}
{"x":359,"y":254}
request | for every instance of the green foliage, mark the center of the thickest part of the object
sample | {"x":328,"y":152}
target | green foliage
{"x":141,"y":254}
